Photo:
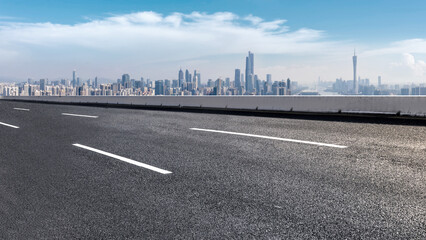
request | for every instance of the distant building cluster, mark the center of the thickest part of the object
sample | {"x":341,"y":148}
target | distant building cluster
{"x":366,"y":88}
{"x":359,"y":86}
{"x":188,"y":84}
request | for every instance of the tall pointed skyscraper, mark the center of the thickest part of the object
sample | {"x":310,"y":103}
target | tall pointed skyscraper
{"x":354,"y":59}
{"x":249,"y":72}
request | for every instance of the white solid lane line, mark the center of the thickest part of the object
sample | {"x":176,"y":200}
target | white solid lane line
{"x":273,"y":138}
{"x":22,"y":109}
{"x":79,"y":115}
{"x":8,"y":125}
{"x":155,"y":169}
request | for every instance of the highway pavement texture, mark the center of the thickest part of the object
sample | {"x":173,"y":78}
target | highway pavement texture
{"x":223,"y":176}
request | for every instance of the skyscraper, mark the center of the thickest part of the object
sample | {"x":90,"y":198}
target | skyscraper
{"x":187,"y":76}
{"x":354,"y":59}
{"x":218,"y":87}
{"x":199,"y":79}
{"x":180,"y":78}
{"x":257,"y":84}
{"x":288,"y":86}
{"x":43,"y":84}
{"x":194,"y":76}
{"x":96,"y":82}
{"x":237,"y":80}
{"x":243,"y":82}
{"x":195,"y":80}
{"x":125,"y":80}
{"x":159,"y":87}
{"x":269,"y":78}
{"x":268,"y":88}
{"x":73,"y":79}
{"x":249,"y":72}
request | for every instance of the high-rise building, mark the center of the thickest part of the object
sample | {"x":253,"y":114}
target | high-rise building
{"x":125,"y":80}
{"x":175,"y":83}
{"x":180,"y":78}
{"x":249,"y":83}
{"x":43,"y":84}
{"x":159,"y":87}
{"x":167,"y":83}
{"x":96,"y":82}
{"x":210,"y":83}
{"x":354,"y":59}
{"x":73,"y":79}
{"x":187,"y":76}
{"x":195,"y":80}
{"x":194,"y":76}
{"x":379,"y":81}
{"x":249,"y":72}
{"x":227,"y":82}
{"x":218,"y":87}
{"x":257,"y":84}
{"x":199,"y":79}
{"x":288,"y":86}
{"x":268,"y":88}
{"x":237,"y":79}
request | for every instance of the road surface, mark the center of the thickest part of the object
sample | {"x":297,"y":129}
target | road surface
{"x":89,"y":172}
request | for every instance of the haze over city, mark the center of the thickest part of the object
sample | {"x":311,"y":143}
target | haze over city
{"x":302,"y":41}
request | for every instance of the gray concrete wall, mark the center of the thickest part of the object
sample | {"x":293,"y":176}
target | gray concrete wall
{"x":405,"y":105}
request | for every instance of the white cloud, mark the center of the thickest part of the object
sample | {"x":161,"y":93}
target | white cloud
{"x":253,"y":19}
{"x":137,"y":18}
{"x":156,"y":45}
{"x":416,"y":45}
{"x":417,"y":67}
{"x":403,"y":59}
{"x":181,"y":35}
{"x":142,"y":38}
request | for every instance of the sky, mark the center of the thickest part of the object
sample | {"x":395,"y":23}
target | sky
{"x":302,"y":40}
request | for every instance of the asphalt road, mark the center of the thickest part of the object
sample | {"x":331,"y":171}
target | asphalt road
{"x":221,"y":185}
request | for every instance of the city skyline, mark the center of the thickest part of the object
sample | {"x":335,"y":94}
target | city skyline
{"x":153,"y":40}
{"x":188,"y":84}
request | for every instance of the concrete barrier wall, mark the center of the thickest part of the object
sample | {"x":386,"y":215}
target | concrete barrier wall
{"x":405,"y":105}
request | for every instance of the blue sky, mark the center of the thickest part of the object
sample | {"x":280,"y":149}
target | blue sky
{"x":377,"y":21}
{"x":299,"y":39}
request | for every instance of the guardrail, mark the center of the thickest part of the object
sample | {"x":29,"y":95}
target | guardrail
{"x":386,"y":105}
